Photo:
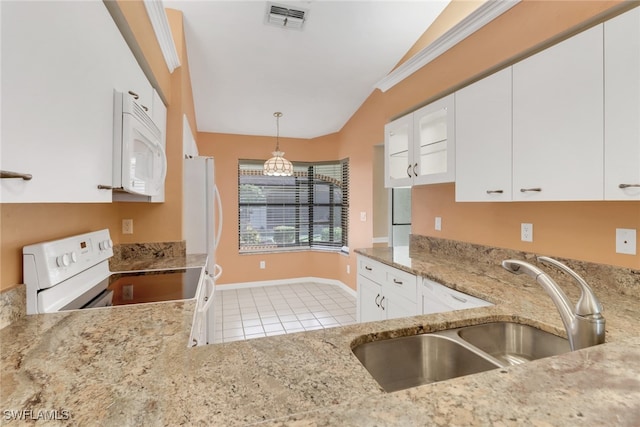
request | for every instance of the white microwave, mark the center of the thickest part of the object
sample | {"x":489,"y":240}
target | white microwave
{"x":139,"y":161}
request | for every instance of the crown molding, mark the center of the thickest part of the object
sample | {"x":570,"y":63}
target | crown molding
{"x":486,"y":13}
{"x":160,"y":23}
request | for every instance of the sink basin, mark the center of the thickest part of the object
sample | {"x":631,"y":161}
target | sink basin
{"x":513,"y":343}
{"x":400,"y":363}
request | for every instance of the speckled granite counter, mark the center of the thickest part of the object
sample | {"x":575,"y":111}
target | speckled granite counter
{"x":131,"y":366}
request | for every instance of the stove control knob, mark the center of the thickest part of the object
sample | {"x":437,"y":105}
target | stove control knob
{"x":63,"y":260}
{"x":105,"y":244}
{"x":74,"y":257}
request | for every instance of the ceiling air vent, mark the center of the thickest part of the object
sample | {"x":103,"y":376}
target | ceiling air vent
{"x":285,"y":17}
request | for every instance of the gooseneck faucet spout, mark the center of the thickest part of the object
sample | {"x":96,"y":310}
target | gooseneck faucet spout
{"x":585,"y":325}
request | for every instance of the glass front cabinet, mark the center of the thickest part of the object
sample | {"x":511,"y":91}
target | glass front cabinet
{"x":420,"y":147}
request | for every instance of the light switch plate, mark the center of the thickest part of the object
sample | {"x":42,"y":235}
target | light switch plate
{"x":626,"y":241}
{"x":363,"y":216}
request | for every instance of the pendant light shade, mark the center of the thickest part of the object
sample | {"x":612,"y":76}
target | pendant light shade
{"x":278,"y":165}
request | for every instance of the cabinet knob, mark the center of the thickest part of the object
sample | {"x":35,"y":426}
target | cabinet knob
{"x":628,"y":185}
{"x":495,"y":191}
{"x":524,"y":190}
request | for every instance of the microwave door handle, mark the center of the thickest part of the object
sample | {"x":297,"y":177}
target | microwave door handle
{"x":163,"y":174}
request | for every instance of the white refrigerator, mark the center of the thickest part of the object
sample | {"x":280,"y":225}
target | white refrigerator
{"x":202,"y":221}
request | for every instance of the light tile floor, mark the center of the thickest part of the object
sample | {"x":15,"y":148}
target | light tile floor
{"x":280,"y":309}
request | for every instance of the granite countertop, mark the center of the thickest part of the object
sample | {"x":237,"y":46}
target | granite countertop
{"x":132,"y":366}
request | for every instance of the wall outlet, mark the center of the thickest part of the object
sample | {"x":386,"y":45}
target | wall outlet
{"x":127,"y":226}
{"x":263,"y":265}
{"x":127,"y":292}
{"x":438,"y":224}
{"x":363,"y":216}
{"x":626,"y":241}
{"x":348,"y":269}
{"x":526,"y":232}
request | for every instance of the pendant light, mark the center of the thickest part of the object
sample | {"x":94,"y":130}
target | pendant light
{"x":278,"y":165}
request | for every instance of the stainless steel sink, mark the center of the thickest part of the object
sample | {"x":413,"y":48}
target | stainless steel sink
{"x":514,"y":343}
{"x":400,"y":363}
{"x":405,"y":362}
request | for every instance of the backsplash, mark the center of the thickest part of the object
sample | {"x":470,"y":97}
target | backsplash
{"x":127,"y":252}
{"x":623,"y":280}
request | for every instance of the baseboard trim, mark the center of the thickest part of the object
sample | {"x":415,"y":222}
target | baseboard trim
{"x":260,"y":283}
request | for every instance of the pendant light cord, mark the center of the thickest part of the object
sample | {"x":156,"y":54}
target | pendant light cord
{"x":277,"y":116}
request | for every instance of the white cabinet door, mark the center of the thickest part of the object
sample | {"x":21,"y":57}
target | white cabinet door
{"x":622,"y":106}
{"x":369,"y":297}
{"x":61,"y":62}
{"x":398,"y":152}
{"x":558,"y":121}
{"x":434,"y":142}
{"x":483,"y":139}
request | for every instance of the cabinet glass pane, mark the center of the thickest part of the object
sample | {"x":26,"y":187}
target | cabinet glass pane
{"x":433,"y":142}
{"x":399,"y":152}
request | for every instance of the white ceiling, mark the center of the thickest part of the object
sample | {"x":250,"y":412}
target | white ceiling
{"x":243,"y":70}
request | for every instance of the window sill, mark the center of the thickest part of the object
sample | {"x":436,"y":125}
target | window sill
{"x":289,"y":250}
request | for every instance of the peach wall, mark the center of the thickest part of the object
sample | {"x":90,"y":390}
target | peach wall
{"x":23,"y":224}
{"x":227,"y":150}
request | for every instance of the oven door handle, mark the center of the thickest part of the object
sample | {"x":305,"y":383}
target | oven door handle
{"x":207,"y":305}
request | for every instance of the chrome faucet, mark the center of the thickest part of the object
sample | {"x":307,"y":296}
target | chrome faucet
{"x":585,"y":325}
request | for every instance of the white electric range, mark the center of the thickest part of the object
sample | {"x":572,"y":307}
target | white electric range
{"x":73,"y":274}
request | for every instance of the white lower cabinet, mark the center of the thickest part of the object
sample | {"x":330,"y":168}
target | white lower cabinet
{"x":437,"y":298}
{"x":385,"y":292}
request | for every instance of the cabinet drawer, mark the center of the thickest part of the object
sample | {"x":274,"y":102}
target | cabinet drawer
{"x":401,"y":283}
{"x":371,"y":269}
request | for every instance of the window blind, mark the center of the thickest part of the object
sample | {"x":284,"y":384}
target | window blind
{"x":309,"y":209}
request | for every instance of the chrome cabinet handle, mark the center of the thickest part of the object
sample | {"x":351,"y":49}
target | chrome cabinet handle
{"x":408,"y":171}
{"x":377,"y":303}
{"x":628,"y":185}
{"x":455,"y":297}
{"x":9,"y":174}
{"x":524,"y":190}
{"x":366,"y":267}
{"x":397,"y":282}
{"x":414,"y":169}
{"x":495,"y":191}
{"x":135,"y":95}
{"x":382,"y":306}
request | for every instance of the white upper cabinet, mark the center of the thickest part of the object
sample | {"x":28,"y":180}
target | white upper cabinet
{"x":61,"y":62}
{"x":622,"y":106}
{"x":398,"y":152}
{"x":558,"y":121}
{"x":483,"y":139}
{"x":420,"y":147}
{"x":434,"y":142}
